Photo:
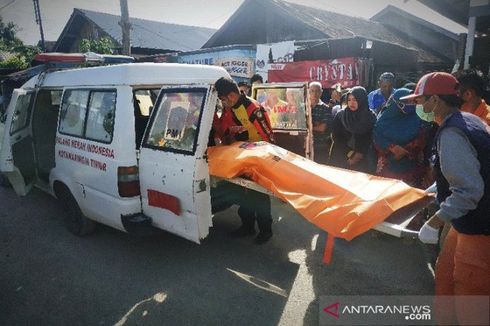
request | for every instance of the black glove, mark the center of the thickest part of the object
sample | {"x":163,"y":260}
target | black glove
{"x":243,"y":136}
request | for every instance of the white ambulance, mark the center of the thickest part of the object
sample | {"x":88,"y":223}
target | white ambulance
{"x":122,"y":145}
{"x":125,"y":145}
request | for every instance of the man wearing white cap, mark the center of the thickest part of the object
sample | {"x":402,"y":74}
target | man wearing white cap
{"x":462,"y":172}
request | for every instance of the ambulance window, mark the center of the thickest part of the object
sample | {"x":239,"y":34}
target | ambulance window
{"x":176,"y":123}
{"x":145,"y":99}
{"x":73,"y":110}
{"x":285,"y":106}
{"x":56,"y":97}
{"x":21,"y":113}
{"x":100,"y":122}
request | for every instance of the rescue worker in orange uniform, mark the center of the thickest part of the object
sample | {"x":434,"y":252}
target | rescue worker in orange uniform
{"x":462,"y":172}
{"x":472,"y":87}
{"x":242,"y":119}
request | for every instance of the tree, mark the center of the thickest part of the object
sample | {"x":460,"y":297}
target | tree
{"x":104,"y":45}
{"x":20,"y":55}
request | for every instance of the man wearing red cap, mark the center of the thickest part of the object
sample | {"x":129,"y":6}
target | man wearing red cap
{"x":462,"y":171}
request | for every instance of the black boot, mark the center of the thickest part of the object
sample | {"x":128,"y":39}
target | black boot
{"x":263,"y":237}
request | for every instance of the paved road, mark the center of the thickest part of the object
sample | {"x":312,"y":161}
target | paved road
{"x":49,"y":277}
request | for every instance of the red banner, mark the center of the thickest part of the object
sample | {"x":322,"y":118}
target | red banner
{"x":327,"y":72}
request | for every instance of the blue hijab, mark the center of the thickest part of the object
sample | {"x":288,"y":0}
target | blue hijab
{"x":398,"y":123}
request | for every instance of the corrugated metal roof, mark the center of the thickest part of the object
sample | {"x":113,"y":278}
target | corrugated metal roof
{"x":152,"y":34}
{"x":335,"y":25}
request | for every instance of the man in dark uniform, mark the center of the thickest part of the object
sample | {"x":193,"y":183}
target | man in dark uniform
{"x":243,"y":119}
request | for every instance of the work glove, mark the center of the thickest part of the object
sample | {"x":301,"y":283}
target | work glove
{"x":428,"y":234}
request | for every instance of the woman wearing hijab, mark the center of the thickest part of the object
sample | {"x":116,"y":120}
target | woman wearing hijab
{"x":352,"y":130}
{"x":399,"y":140}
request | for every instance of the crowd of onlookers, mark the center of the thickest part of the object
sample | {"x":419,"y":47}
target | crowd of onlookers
{"x":380,"y":134}
{"x":437,"y":133}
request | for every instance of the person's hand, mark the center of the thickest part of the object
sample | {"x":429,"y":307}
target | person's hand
{"x":355,"y":158}
{"x":227,"y":140}
{"x":428,"y":234}
{"x":398,"y":151}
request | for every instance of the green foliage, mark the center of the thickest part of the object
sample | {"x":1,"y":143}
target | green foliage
{"x":7,"y":34}
{"x":103,"y":45}
{"x":16,"y":62}
{"x":10,"y":43}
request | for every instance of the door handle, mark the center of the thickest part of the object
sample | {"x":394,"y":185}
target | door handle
{"x":18,"y":138}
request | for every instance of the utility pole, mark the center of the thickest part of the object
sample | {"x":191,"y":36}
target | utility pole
{"x":37,"y":13}
{"x":126,"y":26}
{"x":470,"y":41}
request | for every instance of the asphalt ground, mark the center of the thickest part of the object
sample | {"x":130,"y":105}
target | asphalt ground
{"x":50,"y":277}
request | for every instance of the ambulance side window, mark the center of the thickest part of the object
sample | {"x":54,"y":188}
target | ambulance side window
{"x":175,"y":124}
{"x":88,"y":114}
{"x":20,"y":120}
{"x":73,"y":110}
{"x":100,"y":121}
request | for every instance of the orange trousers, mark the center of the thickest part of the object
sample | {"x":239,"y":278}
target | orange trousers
{"x":463,"y":268}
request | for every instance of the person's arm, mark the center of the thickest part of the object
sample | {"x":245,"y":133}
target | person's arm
{"x":262,"y":122}
{"x":461,"y":168}
{"x":362,"y":142}
{"x":324,"y":124}
{"x":320,"y":127}
{"x":318,"y":120}
{"x":370,"y":100}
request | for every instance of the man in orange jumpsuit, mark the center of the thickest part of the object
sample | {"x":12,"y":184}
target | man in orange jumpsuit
{"x":472,"y":86}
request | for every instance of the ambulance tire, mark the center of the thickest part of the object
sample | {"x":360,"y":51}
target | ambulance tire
{"x":4,"y":181}
{"x":74,"y":220}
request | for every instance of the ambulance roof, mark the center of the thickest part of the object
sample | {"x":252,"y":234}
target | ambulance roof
{"x":132,"y":74}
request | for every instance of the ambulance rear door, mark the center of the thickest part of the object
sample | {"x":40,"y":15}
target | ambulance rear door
{"x":288,"y":109}
{"x":173,"y":168}
{"x":17,"y":149}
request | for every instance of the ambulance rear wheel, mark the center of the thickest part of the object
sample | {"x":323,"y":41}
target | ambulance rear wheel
{"x":73,"y":217}
{"x":4,"y":182}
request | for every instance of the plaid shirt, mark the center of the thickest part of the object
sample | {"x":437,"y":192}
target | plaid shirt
{"x":321,"y":113}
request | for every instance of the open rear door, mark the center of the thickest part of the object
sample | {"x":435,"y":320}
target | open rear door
{"x":17,"y":151}
{"x":286,"y":104}
{"x":174,"y":176}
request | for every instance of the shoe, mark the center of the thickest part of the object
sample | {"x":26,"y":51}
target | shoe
{"x":263,"y":237}
{"x":242,"y":231}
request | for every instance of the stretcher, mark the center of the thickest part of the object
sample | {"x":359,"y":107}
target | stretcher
{"x":343,"y":203}
{"x":395,"y":225}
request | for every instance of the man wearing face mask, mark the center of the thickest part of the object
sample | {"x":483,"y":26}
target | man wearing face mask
{"x":462,"y":170}
{"x":399,"y":140}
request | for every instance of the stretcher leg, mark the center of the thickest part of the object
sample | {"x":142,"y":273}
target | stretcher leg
{"x":327,"y":254}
